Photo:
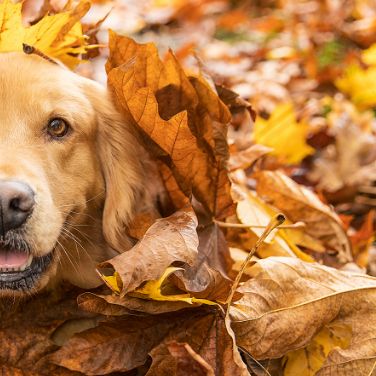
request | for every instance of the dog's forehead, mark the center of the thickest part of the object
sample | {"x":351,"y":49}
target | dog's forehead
{"x":28,"y":72}
{"x":31,"y":85}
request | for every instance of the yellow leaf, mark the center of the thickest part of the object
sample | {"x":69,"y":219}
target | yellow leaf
{"x":360,"y":85}
{"x":307,"y":361}
{"x":112,"y":281}
{"x":58,"y":36}
{"x":152,"y":290}
{"x":284,"y":134}
{"x":255,"y":211}
{"x":369,"y":55}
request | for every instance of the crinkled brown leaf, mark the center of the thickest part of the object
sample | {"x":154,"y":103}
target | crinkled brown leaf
{"x":181,"y":115}
{"x":234,"y":101}
{"x":246,"y":158}
{"x":168,"y":240}
{"x":290,"y":301}
{"x":112,"y":347}
{"x":124,"y":344}
{"x":209,"y":338}
{"x":208,"y":277}
{"x":204,"y":282}
{"x":28,"y":332}
{"x":301,"y":204}
{"x":204,"y":256}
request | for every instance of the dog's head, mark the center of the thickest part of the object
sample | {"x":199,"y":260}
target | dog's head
{"x":69,"y":172}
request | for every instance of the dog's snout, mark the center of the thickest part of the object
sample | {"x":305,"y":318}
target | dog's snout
{"x":16,"y":204}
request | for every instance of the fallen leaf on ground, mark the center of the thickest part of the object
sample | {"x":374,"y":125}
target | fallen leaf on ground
{"x":114,"y":305}
{"x":169,"y":240}
{"x":124,"y":346}
{"x":252,"y":210}
{"x":290,"y":301}
{"x":359,"y":83}
{"x":284,"y":134}
{"x":246,"y":158}
{"x":298,"y":203}
{"x":30,"y":332}
{"x":308,"y":361}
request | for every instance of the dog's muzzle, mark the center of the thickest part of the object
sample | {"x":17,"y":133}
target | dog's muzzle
{"x":19,"y":270}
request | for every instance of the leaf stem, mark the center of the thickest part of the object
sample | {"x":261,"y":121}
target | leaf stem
{"x":276,"y":221}
{"x":30,"y":50}
{"x":296,"y":225}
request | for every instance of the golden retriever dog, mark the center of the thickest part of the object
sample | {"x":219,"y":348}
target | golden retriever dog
{"x":70,"y":175}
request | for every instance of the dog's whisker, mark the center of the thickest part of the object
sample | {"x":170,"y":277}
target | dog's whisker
{"x":80,"y":214}
{"x":85,"y":202}
{"x":77,"y":225}
{"x":68,"y":257}
{"x":68,"y":236}
{"x":76,"y":241}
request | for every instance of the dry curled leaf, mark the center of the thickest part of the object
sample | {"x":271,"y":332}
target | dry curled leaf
{"x":181,"y":116}
{"x":29,"y":332}
{"x":171,"y":240}
{"x":123,"y":345}
{"x":246,"y":158}
{"x":301,"y":204}
{"x":168,"y":240}
{"x":290,"y":301}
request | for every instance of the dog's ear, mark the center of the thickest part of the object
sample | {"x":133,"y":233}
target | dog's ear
{"x":122,"y":167}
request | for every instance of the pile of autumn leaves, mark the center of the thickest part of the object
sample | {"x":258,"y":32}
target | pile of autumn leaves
{"x":168,"y":292}
{"x":163,"y":312}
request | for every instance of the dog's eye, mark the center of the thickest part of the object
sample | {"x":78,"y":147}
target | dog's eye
{"x":57,"y":128}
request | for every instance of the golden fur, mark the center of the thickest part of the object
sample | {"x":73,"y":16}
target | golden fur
{"x":86,"y":184}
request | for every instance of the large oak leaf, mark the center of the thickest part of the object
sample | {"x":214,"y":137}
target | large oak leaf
{"x":181,"y":118}
{"x":290,"y":301}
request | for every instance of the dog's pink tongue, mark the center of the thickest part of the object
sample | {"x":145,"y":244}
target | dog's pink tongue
{"x":12,"y":259}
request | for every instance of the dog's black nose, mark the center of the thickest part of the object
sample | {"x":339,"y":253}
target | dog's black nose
{"x":16,"y":204}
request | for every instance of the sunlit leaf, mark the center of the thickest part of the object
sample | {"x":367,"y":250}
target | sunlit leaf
{"x":360,"y":85}
{"x":58,"y":36}
{"x":153,"y":290}
{"x":307,"y":361}
{"x":284,"y":134}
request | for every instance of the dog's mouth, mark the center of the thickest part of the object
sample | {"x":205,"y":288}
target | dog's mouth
{"x":19,"y":270}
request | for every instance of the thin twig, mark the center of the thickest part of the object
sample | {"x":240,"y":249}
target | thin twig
{"x":31,"y":50}
{"x":274,"y":223}
{"x":293,"y":226}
